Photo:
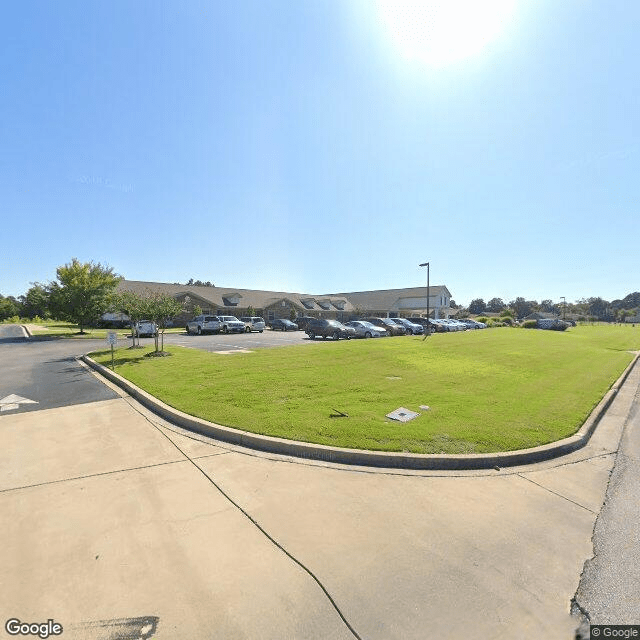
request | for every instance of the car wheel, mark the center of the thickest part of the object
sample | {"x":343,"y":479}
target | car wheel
{"x":247,"y":329}
{"x":368,"y":334}
{"x":260,"y":330}
{"x":225,"y":329}
{"x":312,"y":336}
{"x":188,"y":332}
{"x":199,"y":331}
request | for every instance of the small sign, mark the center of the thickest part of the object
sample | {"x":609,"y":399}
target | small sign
{"x":112,"y":338}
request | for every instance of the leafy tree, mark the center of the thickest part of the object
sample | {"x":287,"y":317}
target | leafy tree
{"x":9,"y":307}
{"x":495,"y":305}
{"x":197,"y":310}
{"x":36,"y":301}
{"x":477,"y":306}
{"x":135,"y":306}
{"x":453,"y":305}
{"x":292,"y":314}
{"x":522,"y":307}
{"x":251,"y":311}
{"x":598,"y":308}
{"x":547,"y":306}
{"x":161,"y":308}
{"x":82,"y":292}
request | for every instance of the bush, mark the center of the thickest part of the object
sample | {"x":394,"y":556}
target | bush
{"x":482,"y":319}
{"x":530,"y":324}
{"x":508,"y":321}
{"x":507,"y":313}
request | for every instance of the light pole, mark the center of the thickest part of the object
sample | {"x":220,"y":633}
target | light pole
{"x":428,"y":330}
{"x":564,"y":307}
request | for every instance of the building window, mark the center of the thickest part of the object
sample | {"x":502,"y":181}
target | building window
{"x":271,"y":315}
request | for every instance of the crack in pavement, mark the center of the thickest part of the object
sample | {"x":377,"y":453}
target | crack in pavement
{"x":555,"y":493}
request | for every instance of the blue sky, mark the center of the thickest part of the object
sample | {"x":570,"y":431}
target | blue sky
{"x":298,"y":146}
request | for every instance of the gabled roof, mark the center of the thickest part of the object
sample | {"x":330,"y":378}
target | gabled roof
{"x":215,"y":296}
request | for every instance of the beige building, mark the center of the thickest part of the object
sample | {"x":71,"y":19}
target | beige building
{"x":280,"y":304}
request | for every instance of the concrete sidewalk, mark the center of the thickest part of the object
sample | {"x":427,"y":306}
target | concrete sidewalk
{"x":112,"y":513}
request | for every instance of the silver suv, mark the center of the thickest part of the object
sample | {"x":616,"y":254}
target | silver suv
{"x":253,"y":323}
{"x":231,"y":324}
{"x":204,"y":324}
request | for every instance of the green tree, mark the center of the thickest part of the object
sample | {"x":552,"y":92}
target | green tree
{"x":82,"y":291}
{"x":496,"y":305}
{"x":251,"y":311}
{"x":197,"y":310}
{"x":161,"y":308}
{"x":135,"y":306}
{"x":521,"y":307}
{"x":477,"y":306}
{"x":9,"y":307}
{"x":36,"y":301}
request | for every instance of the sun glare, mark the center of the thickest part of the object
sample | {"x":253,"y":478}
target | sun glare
{"x":438,"y":32}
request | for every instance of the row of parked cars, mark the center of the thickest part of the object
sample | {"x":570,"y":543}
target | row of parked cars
{"x":321,"y":327}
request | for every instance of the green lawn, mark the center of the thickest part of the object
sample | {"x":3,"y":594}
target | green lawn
{"x":490,"y":390}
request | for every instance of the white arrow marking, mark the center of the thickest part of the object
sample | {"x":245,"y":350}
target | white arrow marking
{"x":14,"y":401}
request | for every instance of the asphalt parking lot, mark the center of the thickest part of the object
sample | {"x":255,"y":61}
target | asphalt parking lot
{"x":238,"y":341}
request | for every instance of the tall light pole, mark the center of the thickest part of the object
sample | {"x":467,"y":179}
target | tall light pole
{"x":428,"y":331}
{"x":564,"y":307}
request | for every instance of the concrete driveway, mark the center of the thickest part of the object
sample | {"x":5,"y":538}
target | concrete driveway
{"x":119,"y":525}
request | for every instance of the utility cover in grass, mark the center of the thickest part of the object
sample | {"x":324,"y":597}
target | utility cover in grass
{"x":402,"y":415}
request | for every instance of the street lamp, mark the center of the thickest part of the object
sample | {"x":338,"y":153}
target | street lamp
{"x":428,"y":331}
{"x":564,"y":307}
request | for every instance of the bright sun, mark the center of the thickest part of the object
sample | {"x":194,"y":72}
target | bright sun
{"x":438,"y":32}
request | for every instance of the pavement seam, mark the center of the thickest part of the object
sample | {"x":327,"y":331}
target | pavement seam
{"x":555,"y":493}
{"x":92,"y":475}
{"x":258,"y":526}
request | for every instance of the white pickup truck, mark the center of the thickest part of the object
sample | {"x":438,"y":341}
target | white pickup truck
{"x":204,"y":324}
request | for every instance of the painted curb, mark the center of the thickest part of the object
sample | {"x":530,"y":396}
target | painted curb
{"x":26,"y":330}
{"x":361,"y":457}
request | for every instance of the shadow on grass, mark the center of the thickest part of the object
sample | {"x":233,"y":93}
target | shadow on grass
{"x":104,"y":357}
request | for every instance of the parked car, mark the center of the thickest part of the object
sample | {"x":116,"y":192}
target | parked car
{"x":365,"y":329}
{"x":204,"y":324}
{"x":253,"y":323}
{"x":472,"y":324}
{"x":145,"y":328}
{"x":282,"y":324}
{"x":435,"y":327}
{"x":325,"y":328}
{"x":392,"y":328}
{"x":302,"y":321}
{"x":231,"y":324}
{"x":413,"y":328}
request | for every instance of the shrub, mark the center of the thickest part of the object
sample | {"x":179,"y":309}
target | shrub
{"x":530,"y":324}
{"x":507,"y":321}
{"x":482,"y":319}
{"x":507,"y":313}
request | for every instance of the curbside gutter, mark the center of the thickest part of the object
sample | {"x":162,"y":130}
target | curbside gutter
{"x":363,"y":457}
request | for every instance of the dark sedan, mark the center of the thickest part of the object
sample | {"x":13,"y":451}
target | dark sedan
{"x":282,"y":324}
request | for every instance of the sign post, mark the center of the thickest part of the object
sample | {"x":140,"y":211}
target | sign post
{"x":112,"y":339}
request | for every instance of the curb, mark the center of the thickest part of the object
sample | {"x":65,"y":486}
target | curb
{"x":26,"y":330}
{"x":363,"y":457}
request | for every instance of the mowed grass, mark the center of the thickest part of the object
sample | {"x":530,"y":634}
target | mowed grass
{"x":490,"y":390}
